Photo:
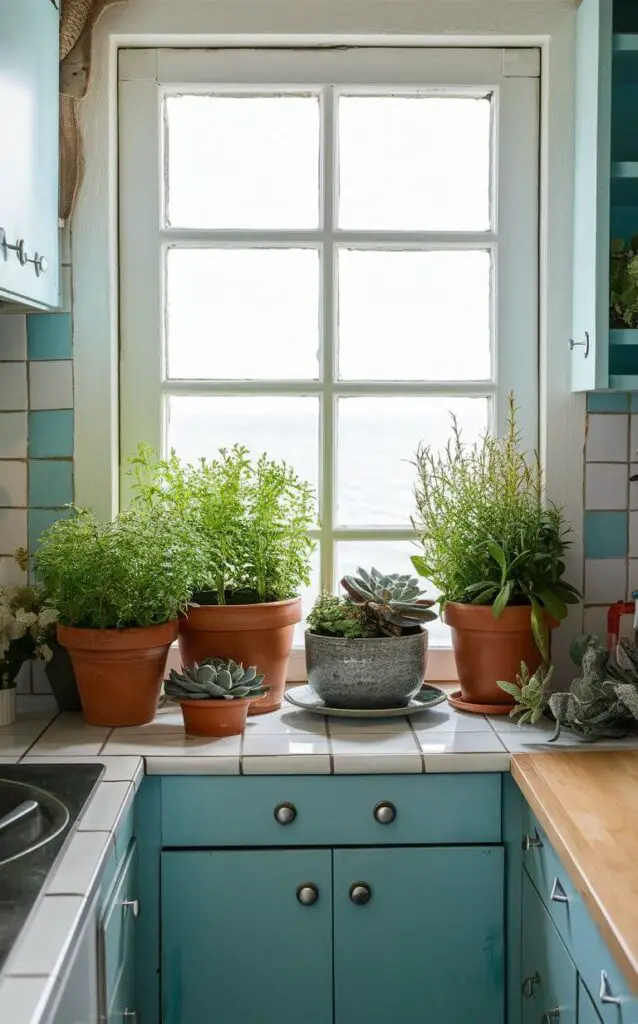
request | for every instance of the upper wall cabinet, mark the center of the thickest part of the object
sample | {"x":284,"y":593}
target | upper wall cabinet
{"x":605,"y":343}
{"x":29,"y":86}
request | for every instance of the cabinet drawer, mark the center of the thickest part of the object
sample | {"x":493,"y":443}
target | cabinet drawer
{"x":549,"y":976}
{"x":587,"y":1012}
{"x":330,"y":811}
{"x":550,"y":878}
{"x":116,"y":931}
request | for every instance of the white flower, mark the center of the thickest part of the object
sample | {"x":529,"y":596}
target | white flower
{"x":47,"y":617}
{"x":44,"y":652}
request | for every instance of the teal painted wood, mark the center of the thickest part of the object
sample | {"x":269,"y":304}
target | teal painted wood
{"x":512,"y":834}
{"x":549,"y":975}
{"x":116,"y":930}
{"x":148,"y":825}
{"x":331,"y":810}
{"x":238,"y":946}
{"x":592,"y":194}
{"x":124,"y":834}
{"x":428,"y":946}
{"x":587,"y":1012}
{"x":29,"y":86}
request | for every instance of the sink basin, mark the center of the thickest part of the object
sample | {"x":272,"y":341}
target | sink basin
{"x":45,"y":818}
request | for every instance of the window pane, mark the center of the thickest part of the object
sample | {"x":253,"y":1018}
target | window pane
{"x":414,"y":163}
{"x":389,"y":556}
{"x":377,"y":439}
{"x":414,"y":315}
{"x":236,"y":314}
{"x":284,"y":427}
{"x":243,"y":161}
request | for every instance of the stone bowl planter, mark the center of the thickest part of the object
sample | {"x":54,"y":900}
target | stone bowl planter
{"x":378,"y":672}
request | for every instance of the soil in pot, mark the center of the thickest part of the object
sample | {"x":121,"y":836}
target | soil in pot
{"x":214,"y":717}
{"x":59,"y":672}
{"x":255,"y":634}
{"x":119,"y":672}
{"x":373,"y":672}
{"x":487,"y":649}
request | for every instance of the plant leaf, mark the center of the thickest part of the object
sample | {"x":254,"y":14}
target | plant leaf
{"x":511,"y":688}
{"x":539,"y":629}
{"x":553,"y":603}
{"x":420,"y":564}
{"x":503,"y":598}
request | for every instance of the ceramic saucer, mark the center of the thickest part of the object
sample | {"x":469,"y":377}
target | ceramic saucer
{"x":456,"y":700}
{"x":304,"y":697}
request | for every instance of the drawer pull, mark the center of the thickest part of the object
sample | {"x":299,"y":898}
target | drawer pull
{"x":385,"y":812}
{"x":130,"y":1015}
{"x":285,"y":813}
{"x":133,"y":906}
{"x":360,"y":893}
{"x":558,"y":894}
{"x":529,"y":983}
{"x":307,"y":894}
{"x":605,"y":991}
{"x":530,"y":841}
{"x":551,"y":1015}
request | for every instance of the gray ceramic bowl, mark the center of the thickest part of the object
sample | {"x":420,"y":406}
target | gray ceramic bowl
{"x":380,"y":672}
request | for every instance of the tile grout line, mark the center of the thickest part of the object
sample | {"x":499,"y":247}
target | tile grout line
{"x":418,"y":744}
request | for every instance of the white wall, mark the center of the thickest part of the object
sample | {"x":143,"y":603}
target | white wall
{"x":549,"y":24}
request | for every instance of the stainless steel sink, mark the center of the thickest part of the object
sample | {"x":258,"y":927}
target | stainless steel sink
{"x":30,"y":817}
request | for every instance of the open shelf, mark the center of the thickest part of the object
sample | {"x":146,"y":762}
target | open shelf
{"x":625,"y":57}
{"x":624,"y":183}
{"x":623,"y":336}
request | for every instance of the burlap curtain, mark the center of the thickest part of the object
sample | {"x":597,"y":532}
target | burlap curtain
{"x":77,"y":22}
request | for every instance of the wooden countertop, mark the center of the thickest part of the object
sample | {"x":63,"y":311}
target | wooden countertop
{"x":588,"y":805}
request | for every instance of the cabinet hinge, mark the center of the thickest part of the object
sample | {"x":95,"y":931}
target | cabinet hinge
{"x":523,"y":63}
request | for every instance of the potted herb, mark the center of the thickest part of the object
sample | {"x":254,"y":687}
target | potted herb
{"x":245,"y":523}
{"x":495,"y":550}
{"x":26,"y":620}
{"x":118,"y":587}
{"x":214,"y":696}
{"x":369,"y":649}
{"x":623,"y":303}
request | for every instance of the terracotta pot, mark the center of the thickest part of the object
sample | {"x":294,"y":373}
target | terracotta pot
{"x":119,"y":672}
{"x":488,"y":649}
{"x":214,"y":717}
{"x":255,"y":634}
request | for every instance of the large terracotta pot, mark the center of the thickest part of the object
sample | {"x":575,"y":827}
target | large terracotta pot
{"x":214,"y":717}
{"x":255,"y":634}
{"x":487,"y":649}
{"x":119,"y":672}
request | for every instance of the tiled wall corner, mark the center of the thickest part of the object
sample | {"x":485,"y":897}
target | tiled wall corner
{"x":36,"y":431}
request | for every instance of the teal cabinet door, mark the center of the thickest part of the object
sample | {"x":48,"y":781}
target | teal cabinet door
{"x":590,"y":327}
{"x":29,"y":90}
{"x":418,"y":935}
{"x":550,"y":980}
{"x":587,"y":1012}
{"x":242,"y":939}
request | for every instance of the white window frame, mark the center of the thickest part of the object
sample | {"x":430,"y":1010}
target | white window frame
{"x":509,"y":77}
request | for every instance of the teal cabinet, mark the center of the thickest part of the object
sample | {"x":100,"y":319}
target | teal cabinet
{"x":587,"y":1012}
{"x":418,"y":935}
{"x":550,"y":979}
{"x":29,"y":87}
{"x":117,"y":936}
{"x":246,"y":936}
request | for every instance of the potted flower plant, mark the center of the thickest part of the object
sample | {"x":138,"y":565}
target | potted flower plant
{"x":26,"y":620}
{"x":118,"y":587}
{"x":495,"y":549}
{"x":245,"y":523}
{"x":369,"y":648}
{"x":214,"y":696}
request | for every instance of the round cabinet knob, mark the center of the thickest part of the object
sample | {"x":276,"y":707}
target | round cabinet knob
{"x":21,"y":252}
{"x":285,"y":813}
{"x":385,"y":812}
{"x":360,"y":893}
{"x":307,"y":894}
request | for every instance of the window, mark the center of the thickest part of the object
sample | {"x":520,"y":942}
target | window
{"x":322,"y":254}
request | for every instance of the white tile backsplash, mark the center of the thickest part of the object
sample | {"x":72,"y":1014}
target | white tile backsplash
{"x":633,"y":534}
{"x":605,"y":580}
{"x":13,"y":336}
{"x":13,"y":435}
{"x":13,"y":483}
{"x":10,"y":572}
{"x":13,"y":386}
{"x":51,"y":384}
{"x":607,"y":439}
{"x":606,"y":486}
{"x":13,"y":530}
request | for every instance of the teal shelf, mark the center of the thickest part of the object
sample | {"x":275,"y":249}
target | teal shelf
{"x":623,"y":337}
{"x":624,"y":183}
{"x":623,"y":382}
{"x":625,"y":58}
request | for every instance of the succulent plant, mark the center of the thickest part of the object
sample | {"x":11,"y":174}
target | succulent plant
{"x":531,"y":694}
{"x":215,"y":679}
{"x":394,"y":604}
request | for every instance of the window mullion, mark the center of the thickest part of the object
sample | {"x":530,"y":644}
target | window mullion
{"x":328,"y":337}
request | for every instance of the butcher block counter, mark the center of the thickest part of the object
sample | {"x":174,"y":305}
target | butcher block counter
{"x":587,"y":803}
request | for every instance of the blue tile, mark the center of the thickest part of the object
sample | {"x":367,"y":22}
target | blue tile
{"x":40,"y":519}
{"x":49,"y":336}
{"x":51,"y":433}
{"x":606,"y":401}
{"x":50,"y":483}
{"x":606,"y":534}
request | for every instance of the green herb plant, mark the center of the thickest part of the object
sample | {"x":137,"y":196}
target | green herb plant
{"x":245,"y":521}
{"x":489,"y":537}
{"x":374,"y":606}
{"x":623,"y":303}
{"x":129,"y":571}
{"x":335,"y":616}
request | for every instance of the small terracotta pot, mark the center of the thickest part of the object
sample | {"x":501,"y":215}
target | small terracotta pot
{"x":119,"y":672}
{"x":255,"y":634}
{"x":488,"y":649}
{"x":214,"y":717}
